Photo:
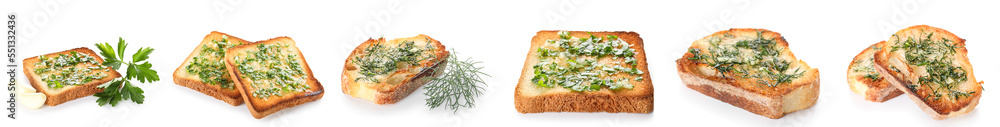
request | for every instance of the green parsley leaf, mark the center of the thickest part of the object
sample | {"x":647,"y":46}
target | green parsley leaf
{"x":109,"y":55}
{"x":145,"y":74}
{"x":142,"y":54}
{"x":122,"y":88}
{"x":121,"y":48}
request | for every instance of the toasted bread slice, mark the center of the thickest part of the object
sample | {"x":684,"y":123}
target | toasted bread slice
{"x":272,"y":75}
{"x":865,"y":80}
{"x":208,"y":74}
{"x":930,"y":65}
{"x":536,"y":92}
{"x":759,"y":72}
{"x":58,"y":91}
{"x":396,"y":83}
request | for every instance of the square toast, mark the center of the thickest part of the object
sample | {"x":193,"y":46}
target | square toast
{"x":402,"y":80}
{"x":542,"y":94}
{"x":930,"y":65}
{"x":752,"y":69}
{"x":866,"y":81}
{"x":35,"y":70}
{"x":205,"y":71}
{"x":272,"y":75}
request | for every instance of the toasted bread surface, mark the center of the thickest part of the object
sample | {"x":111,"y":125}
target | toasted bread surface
{"x":204,"y":55}
{"x":761,"y":73}
{"x":866,"y":81}
{"x":399,"y":82}
{"x":530,"y":97}
{"x":930,"y":65}
{"x":56,"y":96}
{"x":272,"y":75}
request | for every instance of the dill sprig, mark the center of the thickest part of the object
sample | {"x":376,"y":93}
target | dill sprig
{"x":458,"y":86}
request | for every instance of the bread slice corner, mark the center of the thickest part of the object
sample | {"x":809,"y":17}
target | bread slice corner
{"x":866,"y":81}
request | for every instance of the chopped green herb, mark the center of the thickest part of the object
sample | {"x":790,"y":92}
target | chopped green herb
{"x":380,"y":59}
{"x":764,"y":62}
{"x":573,"y":65}
{"x":935,"y":57}
{"x":209,"y":66}
{"x":62,"y":70}
{"x":271,"y":70}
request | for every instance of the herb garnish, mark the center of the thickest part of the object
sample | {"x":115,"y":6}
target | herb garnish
{"x":122,"y":89}
{"x":867,"y":67}
{"x":61,"y":70}
{"x":379,"y":59}
{"x":457,"y":87}
{"x":272,"y":70}
{"x":765,"y":62}
{"x":935,"y":56}
{"x":574,"y":64}
{"x":209,"y":66}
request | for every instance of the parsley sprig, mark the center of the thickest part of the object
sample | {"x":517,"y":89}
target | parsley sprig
{"x":122,"y":88}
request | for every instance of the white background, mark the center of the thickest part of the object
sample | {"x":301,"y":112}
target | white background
{"x":825,"y":34}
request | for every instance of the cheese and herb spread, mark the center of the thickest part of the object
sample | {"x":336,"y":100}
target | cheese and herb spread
{"x":69,"y":69}
{"x":586,"y":64}
{"x":209,"y":66}
{"x":379,"y":61}
{"x":271,"y":70}
{"x":757,"y":58}
{"x":933,"y":56}
{"x":866,"y":66}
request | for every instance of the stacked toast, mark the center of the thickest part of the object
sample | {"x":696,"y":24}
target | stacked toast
{"x":268,"y":75}
{"x":929,"y":65}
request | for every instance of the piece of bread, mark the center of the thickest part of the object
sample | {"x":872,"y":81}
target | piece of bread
{"x":280,"y":57}
{"x":184,"y":78}
{"x":399,"y":83}
{"x":56,"y":96}
{"x":865,"y":80}
{"x":755,"y":90}
{"x":935,"y":51}
{"x":532,"y":98}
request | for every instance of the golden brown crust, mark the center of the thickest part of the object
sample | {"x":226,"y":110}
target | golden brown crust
{"x":873,"y":90}
{"x":182,"y":78}
{"x":886,"y":60}
{"x":260,"y":108}
{"x":67,"y":93}
{"x":771,"y":102}
{"x":639,"y":99}
{"x":385,"y":93}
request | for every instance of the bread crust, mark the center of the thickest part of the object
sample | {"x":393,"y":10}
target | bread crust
{"x":771,"y":102}
{"x":261,"y":108}
{"x":639,"y":99}
{"x":67,"y":93}
{"x":873,"y":90}
{"x":907,"y":75}
{"x":183,"y":78}
{"x":386,"y":93}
